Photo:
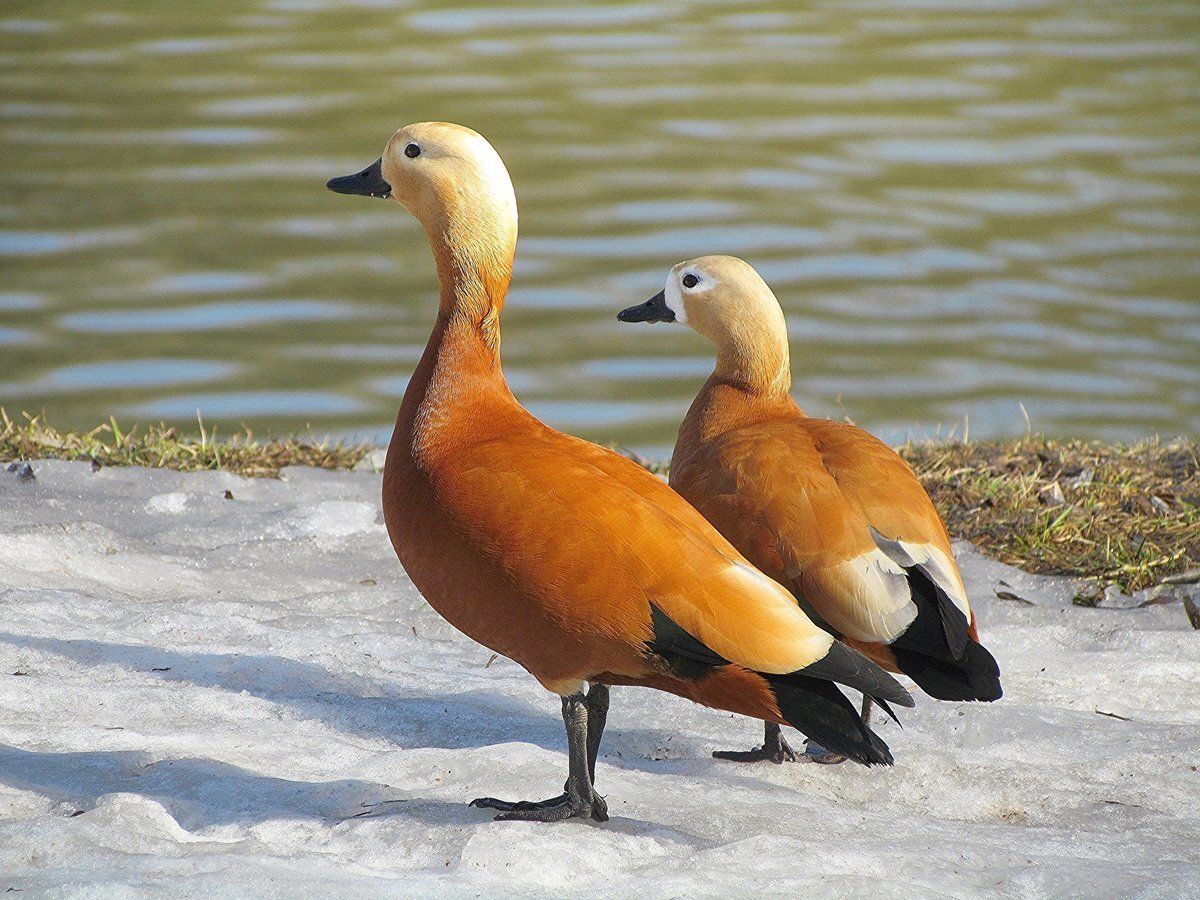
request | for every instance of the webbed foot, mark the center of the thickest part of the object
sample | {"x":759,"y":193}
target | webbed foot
{"x":556,"y":809}
{"x":774,"y":749}
{"x":761,"y":754}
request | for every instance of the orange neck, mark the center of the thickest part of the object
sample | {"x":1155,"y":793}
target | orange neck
{"x":752,"y":346}
{"x":458,"y":393}
{"x":753,"y":377}
{"x":726,"y":403}
{"x":474,"y":256}
{"x":757,"y":367}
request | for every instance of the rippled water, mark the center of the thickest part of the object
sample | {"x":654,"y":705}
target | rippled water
{"x":963,"y":206}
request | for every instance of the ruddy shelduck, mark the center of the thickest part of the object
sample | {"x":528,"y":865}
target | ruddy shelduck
{"x":561,"y":555}
{"x":822,"y":507}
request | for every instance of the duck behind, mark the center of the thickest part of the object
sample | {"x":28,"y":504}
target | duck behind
{"x":565,"y":557}
{"x":822,"y":507}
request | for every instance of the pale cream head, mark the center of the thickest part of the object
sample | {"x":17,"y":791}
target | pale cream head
{"x":456,"y":186}
{"x":724,"y":299}
{"x":720,"y":296}
{"x":438,"y":170}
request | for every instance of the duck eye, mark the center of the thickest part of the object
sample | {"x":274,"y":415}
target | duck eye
{"x":690,"y":280}
{"x":412,"y":151}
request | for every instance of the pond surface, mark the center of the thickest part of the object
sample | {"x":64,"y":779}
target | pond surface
{"x":971,"y":211}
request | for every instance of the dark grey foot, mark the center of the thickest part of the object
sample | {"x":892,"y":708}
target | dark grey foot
{"x":776,"y":755}
{"x":584,"y":718}
{"x":774,"y":749}
{"x":556,"y":809}
{"x":814,"y":752}
{"x":515,"y":805}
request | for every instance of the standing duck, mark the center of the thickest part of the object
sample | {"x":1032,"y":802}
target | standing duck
{"x":561,"y":555}
{"x":822,"y":507}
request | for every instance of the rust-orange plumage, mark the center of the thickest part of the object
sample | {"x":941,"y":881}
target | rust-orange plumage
{"x":822,"y":507}
{"x":557,"y":553}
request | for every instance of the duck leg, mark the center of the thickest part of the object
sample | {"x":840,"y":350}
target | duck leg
{"x":774,"y":749}
{"x":597,"y":718}
{"x":597,"y":710}
{"x":580,"y":798}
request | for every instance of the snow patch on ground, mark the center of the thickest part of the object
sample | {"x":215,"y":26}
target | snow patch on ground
{"x":174,"y":502}
{"x":212,"y":685}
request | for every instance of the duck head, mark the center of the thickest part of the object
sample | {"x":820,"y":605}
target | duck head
{"x":724,"y":299}
{"x":455,"y":184}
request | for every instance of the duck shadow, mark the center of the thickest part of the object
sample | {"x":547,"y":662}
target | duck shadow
{"x":201,"y":793}
{"x":360,"y":706}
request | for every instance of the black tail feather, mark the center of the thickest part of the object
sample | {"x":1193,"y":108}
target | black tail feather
{"x":975,"y":676}
{"x":807,"y":699}
{"x":847,"y":666}
{"x":937,"y":652}
{"x":929,"y":632}
{"x":887,"y":708}
{"x":817,"y":708}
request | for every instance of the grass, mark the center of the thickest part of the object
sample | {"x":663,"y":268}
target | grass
{"x":1123,"y":514}
{"x":159,"y":446}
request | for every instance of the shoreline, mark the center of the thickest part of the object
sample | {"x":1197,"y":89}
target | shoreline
{"x":1115,"y":515}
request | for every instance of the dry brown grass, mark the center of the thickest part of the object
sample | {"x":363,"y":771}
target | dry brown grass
{"x":159,"y":446}
{"x":1126,"y":514}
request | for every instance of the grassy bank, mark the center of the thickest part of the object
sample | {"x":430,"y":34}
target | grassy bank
{"x":1123,"y":514}
{"x":160,"y":446}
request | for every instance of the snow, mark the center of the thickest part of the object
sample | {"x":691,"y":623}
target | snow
{"x":212,"y":696}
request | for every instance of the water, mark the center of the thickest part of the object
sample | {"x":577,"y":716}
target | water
{"x":968,"y":209}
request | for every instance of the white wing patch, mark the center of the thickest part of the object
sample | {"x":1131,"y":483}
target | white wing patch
{"x":874,"y":601}
{"x":933,"y":561}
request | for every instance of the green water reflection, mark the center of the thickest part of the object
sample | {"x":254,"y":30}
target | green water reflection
{"x":963,"y":206}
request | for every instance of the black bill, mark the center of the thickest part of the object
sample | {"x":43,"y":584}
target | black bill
{"x":369,"y":182}
{"x":653,"y":310}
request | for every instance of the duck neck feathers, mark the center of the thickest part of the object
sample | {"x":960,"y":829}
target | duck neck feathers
{"x":474,"y":248}
{"x":457,"y":393}
{"x":733,"y":398}
{"x":756,"y":361}
{"x":753,"y":377}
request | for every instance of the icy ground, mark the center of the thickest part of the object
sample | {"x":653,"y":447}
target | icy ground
{"x":205,"y":693}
